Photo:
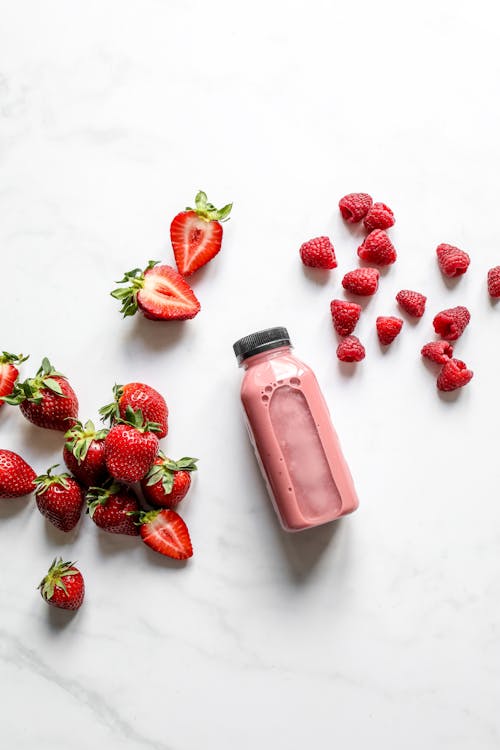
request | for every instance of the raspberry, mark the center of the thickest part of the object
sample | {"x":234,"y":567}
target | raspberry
{"x":388,"y":328}
{"x":377,"y":248}
{"x":362,"y":281}
{"x":318,"y":253}
{"x":412,"y":302}
{"x":494,"y":282}
{"x":345,"y":316}
{"x":350,"y":349}
{"x":437,"y":351}
{"x":454,"y":375}
{"x":451,"y":260}
{"x":355,"y":206}
{"x":450,"y":324}
{"x":379,"y":216}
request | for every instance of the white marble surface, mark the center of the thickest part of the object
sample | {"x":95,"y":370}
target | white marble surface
{"x":379,"y":631}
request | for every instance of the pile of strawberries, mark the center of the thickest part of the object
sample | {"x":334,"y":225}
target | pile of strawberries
{"x":377,"y":250}
{"x":120,"y":475}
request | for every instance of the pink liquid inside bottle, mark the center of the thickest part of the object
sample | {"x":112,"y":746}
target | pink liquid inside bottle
{"x":290,"y":428}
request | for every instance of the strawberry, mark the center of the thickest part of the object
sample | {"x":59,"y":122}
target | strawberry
{"x":167,"y":482}
{"x":60,"y":499}
{"x":131,"y":446}
{"x":345,"y":316}
{"x":63,"y":586}
{"x":412,"y":303}
{"x":9,"y":373}
{"x":388,"y":327}
{"x":138,"y":396}
{"x":84,"y":453}
{"x":166,"y":533}
{"x":196,"y":234}
{"x":16,"y":476}
{"x":47,"y":400}
{"x":112,"y":507}
{"x":159,"y":292}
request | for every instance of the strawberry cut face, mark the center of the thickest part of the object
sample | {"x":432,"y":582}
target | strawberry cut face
{"x":165,"y":532}
{"x":166,"y":296}
{"x":8,"y":376}
{"x":195,"y":241}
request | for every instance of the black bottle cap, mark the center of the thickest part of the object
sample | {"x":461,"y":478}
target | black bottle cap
{"x":261,"y":341}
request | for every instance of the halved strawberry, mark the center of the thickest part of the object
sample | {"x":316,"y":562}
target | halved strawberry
{"x":9,"y":373}
{"x":159,"y":292}
{"x":196,"y":234}
{"x":166,"y":533}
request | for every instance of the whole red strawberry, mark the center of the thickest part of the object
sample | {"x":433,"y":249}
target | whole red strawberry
{"x":167,"y":482}
{"x":46,"y":400}
{"x":113,"y":508}
{"x":437,"y":351}
{"x":350,"y":349}
{"x":60,"y":499}
{"x":412,"y":303}
{"x":138,"y":396}
{"x":165,"y":532}
{"x":377,"y":248}
{"x":318,"y":253}
{"x":131,"y":447}
{"x":16,"y":476}
{"x":379,"y":216}
{"x":159,"y":292}
{"x":63,"y":586}
{"x":84,"y":453}
{"x":451,"y":260}
{"x":451,"y":323}
{"x":355,"y":206}
{"x":196,"y":234}
{"x":494,"y":282}
{"x":9,"y":373}
{"x":362,"y":281}
{"x":345,"y":316}
{"x":454,"y":374}
{"x":388,"y":327}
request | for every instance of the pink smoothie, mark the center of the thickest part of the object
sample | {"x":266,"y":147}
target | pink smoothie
{"x":289,"y":425}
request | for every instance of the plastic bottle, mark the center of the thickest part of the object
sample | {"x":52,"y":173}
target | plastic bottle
{"x":290,"y":428}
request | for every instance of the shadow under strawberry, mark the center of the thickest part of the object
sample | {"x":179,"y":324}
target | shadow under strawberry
{"x":146,"y":336}
{"x":58,"y":619}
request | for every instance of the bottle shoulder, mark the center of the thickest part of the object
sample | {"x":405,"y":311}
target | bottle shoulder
{"x":273,"y":372}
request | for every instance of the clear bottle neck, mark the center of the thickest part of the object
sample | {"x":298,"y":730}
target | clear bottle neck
{"x":256,"y":359}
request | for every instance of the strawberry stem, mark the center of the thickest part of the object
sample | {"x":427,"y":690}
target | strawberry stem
{"x":128,"y":295}
{"x":112,"y":411}
{"x":54,"y":578}
{"x":31,"y":389}
{"x":79,"y":438}
{"x":136,"y":419}
{"x":208,"y":211}
{"x":6,"y":358}
{"x":44,"y":481}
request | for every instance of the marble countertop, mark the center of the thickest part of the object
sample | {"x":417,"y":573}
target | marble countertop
{"x":381,"y":630}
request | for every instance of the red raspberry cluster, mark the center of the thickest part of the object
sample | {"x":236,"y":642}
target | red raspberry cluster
{"x":377,"y":249}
